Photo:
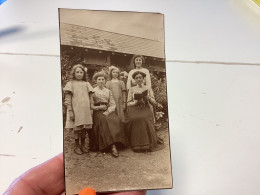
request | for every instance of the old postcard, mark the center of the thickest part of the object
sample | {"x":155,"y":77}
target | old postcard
{"x":115,"y":110}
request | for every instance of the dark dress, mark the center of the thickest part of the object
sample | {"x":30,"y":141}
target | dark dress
{"x":107,"y":129}
{"x":140,"y":128}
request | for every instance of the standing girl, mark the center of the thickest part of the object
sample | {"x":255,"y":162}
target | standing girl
{"x":77,"y":100}
{"x":138,"y":61}
{"x":118,"y":89}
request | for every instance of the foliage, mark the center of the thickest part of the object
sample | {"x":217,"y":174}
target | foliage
{"x":159,"y":89}
{"x":68,"y":59}
{"x":158,"y":115}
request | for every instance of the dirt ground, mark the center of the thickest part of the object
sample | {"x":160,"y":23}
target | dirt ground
{"x":102,"y":172}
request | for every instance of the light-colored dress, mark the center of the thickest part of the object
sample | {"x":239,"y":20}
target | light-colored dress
{"x":117,"y":87}
{"x":80,"y":103}
{"x":107,"y":129}
{"x":131,"y":82}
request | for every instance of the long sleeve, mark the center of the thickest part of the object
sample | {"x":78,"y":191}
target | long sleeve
{"x":123,"y":89}
{"x":92,"y":102}
{"x":90,"y":88}
{"x":130,"y":100}
{"x":111,"y":104}
{"x":151,"y":97}
{"x":129,"y":80}
{"x":148,"y":78}
{"x":67,"y":100}
{"x":68,"y":91}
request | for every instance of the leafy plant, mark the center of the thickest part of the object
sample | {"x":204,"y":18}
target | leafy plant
{"x":159,"y":89}
{"x":158,"y":115}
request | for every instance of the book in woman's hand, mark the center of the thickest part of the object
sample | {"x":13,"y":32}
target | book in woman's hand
{"x":138,"y":96}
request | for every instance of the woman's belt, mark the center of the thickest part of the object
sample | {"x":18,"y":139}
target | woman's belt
{"x":100,"y":103}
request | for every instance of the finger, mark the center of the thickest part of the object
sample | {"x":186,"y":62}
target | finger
{"x":46,"y":178}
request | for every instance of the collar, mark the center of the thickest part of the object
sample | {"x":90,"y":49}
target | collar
{"x":98,"y":88}
{"x":140,"y":86}
{"x":114,"y":80}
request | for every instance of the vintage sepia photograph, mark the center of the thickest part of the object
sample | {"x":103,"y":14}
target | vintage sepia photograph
{"x":115,"y":108}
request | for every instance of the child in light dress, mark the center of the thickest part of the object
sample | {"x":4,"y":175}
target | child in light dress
{"x":77,"y":100}
{"x":118,"y":89}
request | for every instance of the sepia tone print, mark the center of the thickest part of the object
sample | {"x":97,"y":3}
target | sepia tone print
{"x":115,"y":111}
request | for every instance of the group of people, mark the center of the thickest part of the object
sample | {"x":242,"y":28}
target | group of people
{"x":112,"y":114}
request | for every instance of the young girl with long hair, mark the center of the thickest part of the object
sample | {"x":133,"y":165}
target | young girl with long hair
{"x":118,"y":90}
{"x":77,"y":100}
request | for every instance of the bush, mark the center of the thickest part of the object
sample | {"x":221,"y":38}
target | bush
{"x":68,"y":59}
{"x":159,"y":89}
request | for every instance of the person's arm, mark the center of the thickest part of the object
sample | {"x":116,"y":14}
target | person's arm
{"x":129,"y":80}
{"x":124,"y":99}
{"x":68,"y":92}
{"x":67,"y":100}
{"x":111,"y":104}
{"x":130,"y":100}
{"x":148,"y":79}
{"x":68,"y":104}
{"x":123,"y":88}
{"x":91,"y":102}
{"x":152,"y":100}
{"x":90,"y":88}
{"x":90,"y":93}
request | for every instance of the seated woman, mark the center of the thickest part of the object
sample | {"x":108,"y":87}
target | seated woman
{"x":107,"y":128}
{"x":140,"y":128}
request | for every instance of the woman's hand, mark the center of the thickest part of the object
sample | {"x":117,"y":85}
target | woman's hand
{"x":102,"y":107}
{"x":135,"y":102}
{"x":106,"y":113}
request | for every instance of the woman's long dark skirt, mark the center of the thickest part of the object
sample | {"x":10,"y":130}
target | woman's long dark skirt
{"x":107,"y":130}
{"x":140,"y":128}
